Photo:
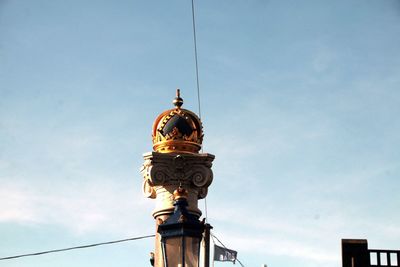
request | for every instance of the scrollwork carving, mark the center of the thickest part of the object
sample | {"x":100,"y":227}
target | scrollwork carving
{"x":148,"y":189}
{"x":158,"y":174}
{"x":161,"y":170}
{"x":202,"y":176}
{"x":199,"y":179}
{"x":202,"y":192}
{"x":159,"y":177}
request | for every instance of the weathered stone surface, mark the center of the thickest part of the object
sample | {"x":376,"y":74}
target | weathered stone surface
{"x":164,"y":172}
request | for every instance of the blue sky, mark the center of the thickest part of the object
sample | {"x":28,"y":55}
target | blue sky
{"x":300,"y":105}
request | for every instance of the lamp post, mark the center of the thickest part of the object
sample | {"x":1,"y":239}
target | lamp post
{"x":181,"y":235}
{"x":176,"y":161}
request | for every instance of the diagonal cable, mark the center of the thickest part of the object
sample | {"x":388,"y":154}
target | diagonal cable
{"x":78,"y":247}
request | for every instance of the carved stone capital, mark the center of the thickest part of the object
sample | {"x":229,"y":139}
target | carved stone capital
{"x":164,"y":172}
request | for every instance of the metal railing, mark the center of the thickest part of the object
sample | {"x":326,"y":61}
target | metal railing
{"x":384,"y":257}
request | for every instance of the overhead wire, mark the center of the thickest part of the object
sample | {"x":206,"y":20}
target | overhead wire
{"x":196,"y":58}
{"x":197,"y":82}
{"x":77,"y":247}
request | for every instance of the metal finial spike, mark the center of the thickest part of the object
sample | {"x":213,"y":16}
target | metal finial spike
{"x":178,"y":101}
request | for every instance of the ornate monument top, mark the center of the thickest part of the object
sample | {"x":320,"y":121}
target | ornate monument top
{"x":177,"y":130}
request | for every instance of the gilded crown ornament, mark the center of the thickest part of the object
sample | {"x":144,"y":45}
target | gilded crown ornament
{"x":176,"y":162}
{"x":177,"y":130}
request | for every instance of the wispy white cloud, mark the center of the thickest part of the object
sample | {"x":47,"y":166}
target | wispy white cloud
{"x":263,"y":244}
{"x":81,"y":210}
{"x":17,"y":206}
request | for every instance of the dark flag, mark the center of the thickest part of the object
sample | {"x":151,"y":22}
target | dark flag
{"x":224,"y":254}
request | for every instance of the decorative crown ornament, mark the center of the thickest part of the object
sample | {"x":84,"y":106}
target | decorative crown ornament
{"x":177,"y":130}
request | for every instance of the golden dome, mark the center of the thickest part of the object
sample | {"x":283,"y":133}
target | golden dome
{"x":177,"y":130}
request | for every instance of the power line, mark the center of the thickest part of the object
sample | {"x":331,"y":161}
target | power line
{"x":78,"y":247}
{"x":212,"y":235}
{"x":195,"y":57}
{"x":198,"y":84}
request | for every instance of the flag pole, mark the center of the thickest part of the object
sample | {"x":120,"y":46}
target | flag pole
{"x":207,"y":245}
{"x":213,"y":250}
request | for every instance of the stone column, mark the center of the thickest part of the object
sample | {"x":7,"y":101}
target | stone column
{"x":163,"y":173}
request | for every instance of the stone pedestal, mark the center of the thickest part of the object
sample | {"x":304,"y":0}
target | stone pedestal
{"x":163,"y":173}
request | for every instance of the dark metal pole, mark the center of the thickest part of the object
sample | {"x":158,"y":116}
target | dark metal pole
{"x":206,"y":254}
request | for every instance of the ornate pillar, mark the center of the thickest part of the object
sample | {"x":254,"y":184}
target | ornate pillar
{"x":164,"y":172}
{"x":175,"y":161}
